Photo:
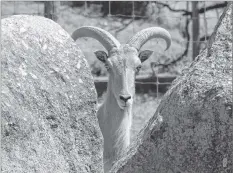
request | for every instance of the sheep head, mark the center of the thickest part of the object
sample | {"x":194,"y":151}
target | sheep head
{"x":124,"y":61}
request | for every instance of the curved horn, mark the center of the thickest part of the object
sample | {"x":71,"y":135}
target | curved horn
{"x":145,"y":35}
{"x":104,"y":37}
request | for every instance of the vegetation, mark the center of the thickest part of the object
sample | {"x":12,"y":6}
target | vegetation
{"x":174,"y":16}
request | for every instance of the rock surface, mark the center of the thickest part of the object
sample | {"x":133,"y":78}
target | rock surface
{"x":49,"y":122}
{"x":192,"y":129}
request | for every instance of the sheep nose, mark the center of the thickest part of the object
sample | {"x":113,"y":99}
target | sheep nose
{"x":125,"y":97}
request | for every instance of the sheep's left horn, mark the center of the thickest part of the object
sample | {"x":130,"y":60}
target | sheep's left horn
{"x":104,"y":37}
{"x":145,"y":35}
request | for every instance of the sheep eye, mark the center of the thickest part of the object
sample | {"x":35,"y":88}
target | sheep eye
{"x":107,"y":66}
{"x":138,"y":68}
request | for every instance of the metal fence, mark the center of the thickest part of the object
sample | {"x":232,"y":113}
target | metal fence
{"x":156,"y":82}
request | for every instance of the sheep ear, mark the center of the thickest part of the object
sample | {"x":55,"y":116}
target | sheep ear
{"x":101,"y":55}
{"x":144,"y":55}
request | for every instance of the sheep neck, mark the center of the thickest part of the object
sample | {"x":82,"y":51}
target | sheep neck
{"x":119,"y":121}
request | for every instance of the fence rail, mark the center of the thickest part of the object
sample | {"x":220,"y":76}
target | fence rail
{"x":143,"y":83}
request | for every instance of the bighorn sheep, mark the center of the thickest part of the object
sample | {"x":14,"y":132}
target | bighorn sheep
{"x":122,"y":63}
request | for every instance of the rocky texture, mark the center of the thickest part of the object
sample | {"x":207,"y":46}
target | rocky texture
{"x":192,"y":129}
{"x":49,"y":122}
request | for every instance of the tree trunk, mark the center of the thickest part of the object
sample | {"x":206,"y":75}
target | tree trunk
{"x":50,"y":10}
{"x":195,"y":18}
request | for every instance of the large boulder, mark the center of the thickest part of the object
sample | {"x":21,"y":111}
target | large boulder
{"x":48,"y":101}
{"x":192,"y":129}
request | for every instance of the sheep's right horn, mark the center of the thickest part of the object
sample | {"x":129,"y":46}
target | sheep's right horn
{"x":143,"y":36}
{"x":104,"y":37}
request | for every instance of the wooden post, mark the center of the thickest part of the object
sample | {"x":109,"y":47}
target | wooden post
{"x":50,"y":9}
{"x":195,"y":28}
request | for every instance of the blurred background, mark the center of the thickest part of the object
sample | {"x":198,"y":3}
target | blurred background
{"x":189,"y":23}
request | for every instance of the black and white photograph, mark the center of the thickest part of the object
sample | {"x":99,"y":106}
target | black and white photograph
{"x":116,"y":87}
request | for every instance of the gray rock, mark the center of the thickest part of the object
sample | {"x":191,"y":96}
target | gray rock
{"x":49,"y":122}
{"x":192,"y":129}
